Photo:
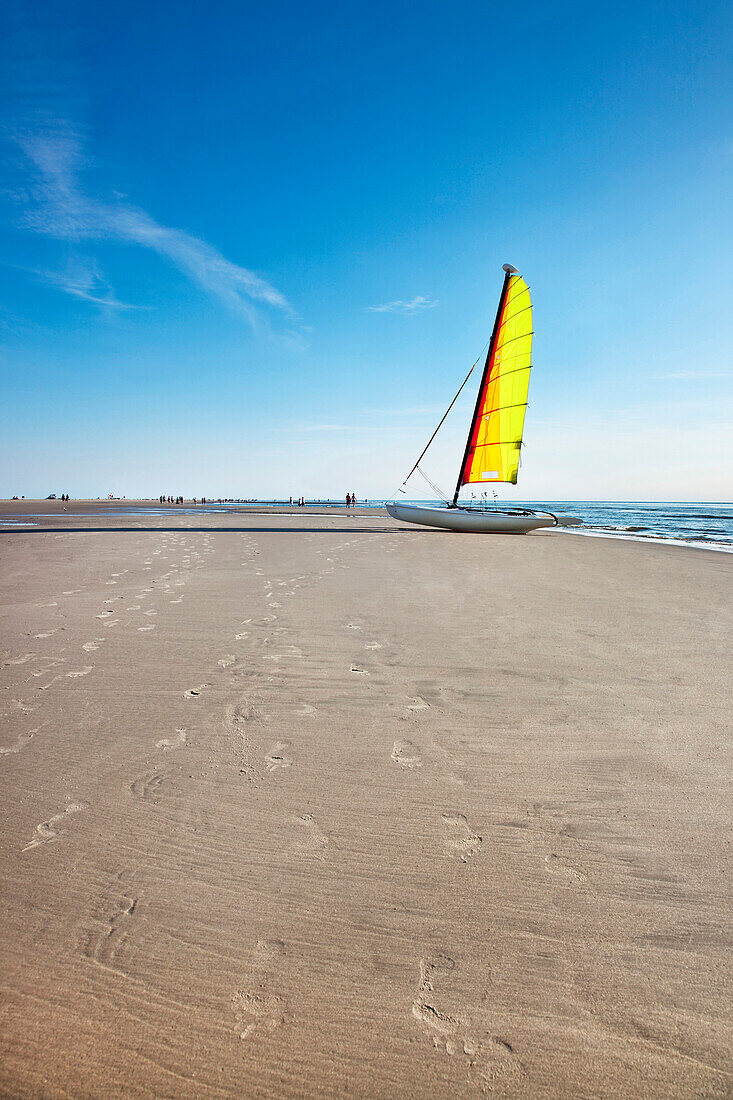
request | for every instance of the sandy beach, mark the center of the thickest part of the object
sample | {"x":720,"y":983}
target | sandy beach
{"x":306,"y":804}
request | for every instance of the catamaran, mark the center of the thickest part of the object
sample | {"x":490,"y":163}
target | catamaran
{"x":494,"y":441}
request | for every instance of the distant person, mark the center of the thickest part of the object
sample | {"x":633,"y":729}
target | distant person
{"x":353,"y":500}
{"x":348,"y":500}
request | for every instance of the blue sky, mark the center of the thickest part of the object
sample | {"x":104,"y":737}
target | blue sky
{"x":252,"y":250}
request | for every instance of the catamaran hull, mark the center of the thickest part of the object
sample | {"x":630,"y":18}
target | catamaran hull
{"x":462,"y":519}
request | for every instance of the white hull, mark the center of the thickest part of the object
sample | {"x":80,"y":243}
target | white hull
{"x":464,"y":519}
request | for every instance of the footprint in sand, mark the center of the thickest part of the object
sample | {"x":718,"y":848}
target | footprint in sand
{"x":107,"y":938}
{"x":46,"y":634}
{"x":89,"y":647}
{"x":359,"y":670}
{"x":21,"y":741}
{"x":235,"y":726}
{"x":151,"y":785}
{"x":418,"y":704}
{"x":460,"y":838}
{"x":82,"y":672}
{"x":18,"y":660}
{"x":227,"y":661}
{"x":406,"y":755}
{"x":493,"y":1060}
{"x":51,"y":682}
{"x":372,"y":645}
{"x":567,"y":872}
{"x":316,"y":843}
{"x":142,"y":629}
{"x":306,"y":711}
{"x":172,"y":742}
{"x":441,"y":1026}
{"x":46,"y":831}
{"x":257,"y":1011}
{"x":193,"y":693}
{"x":278,"y":757}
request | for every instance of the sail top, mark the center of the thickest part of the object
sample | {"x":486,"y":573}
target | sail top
{"x":496,"y":435}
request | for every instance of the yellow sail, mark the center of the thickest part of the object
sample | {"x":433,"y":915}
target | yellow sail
{"x":496,"y":436}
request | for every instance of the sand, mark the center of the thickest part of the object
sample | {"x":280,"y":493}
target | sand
{"x":306,"y":805}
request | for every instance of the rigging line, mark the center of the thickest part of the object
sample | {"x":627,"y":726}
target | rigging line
{"x":436,"y":488}
{"x":432,"y":437}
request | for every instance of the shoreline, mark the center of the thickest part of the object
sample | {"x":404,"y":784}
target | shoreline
{"x":140,"y":508}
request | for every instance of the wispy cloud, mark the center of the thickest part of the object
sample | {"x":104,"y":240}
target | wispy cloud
{"x":415,"y":305}
{"x":83,"y":280}
{"x":59,"y":207}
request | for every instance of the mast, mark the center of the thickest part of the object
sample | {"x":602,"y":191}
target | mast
{"x":508,"y":272}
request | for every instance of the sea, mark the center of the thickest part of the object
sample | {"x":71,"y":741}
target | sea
{"x":684,"y":523}
{"x":681,"y":523}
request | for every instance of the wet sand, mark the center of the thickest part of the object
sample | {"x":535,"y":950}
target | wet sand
{"x":316,"y":805}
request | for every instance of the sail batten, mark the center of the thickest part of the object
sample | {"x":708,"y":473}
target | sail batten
{"x":495,"y":441}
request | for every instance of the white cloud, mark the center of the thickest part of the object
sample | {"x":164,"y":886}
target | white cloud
{"x":415,"y":305}
{"x":83,"y":280}
{"x":62,"y":209}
